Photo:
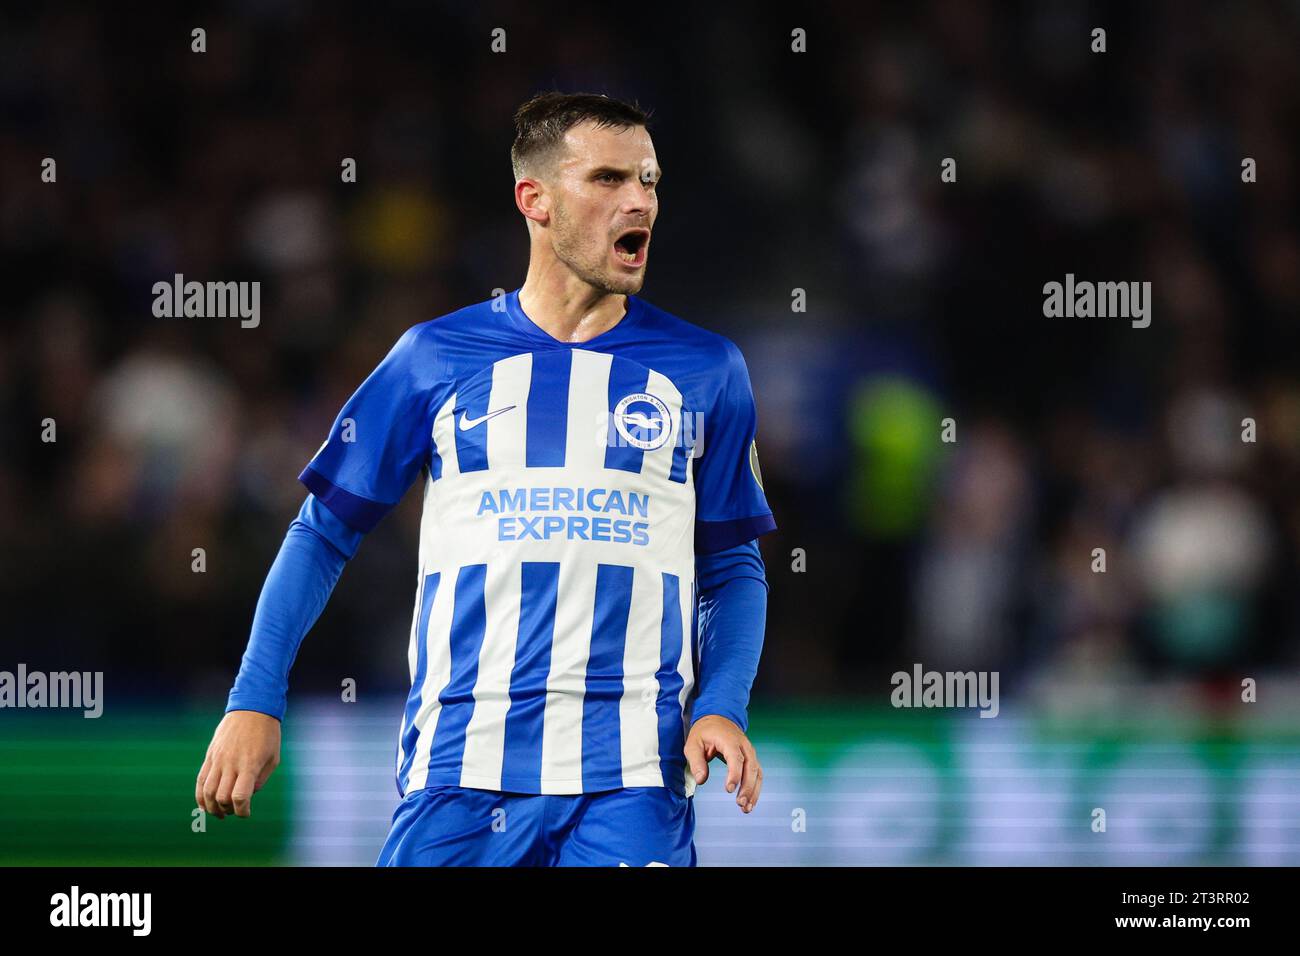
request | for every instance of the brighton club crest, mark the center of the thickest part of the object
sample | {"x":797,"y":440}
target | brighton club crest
{"x":643,"y":421}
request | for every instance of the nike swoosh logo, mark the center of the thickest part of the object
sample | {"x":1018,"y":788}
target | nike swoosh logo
{"x":466,"y":423}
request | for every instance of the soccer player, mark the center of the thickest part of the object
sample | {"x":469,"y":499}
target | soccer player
{"x":590,"y":602}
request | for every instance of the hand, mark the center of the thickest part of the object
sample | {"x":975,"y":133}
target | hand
{"x":244,"y":751}
{"x":713,"y":735}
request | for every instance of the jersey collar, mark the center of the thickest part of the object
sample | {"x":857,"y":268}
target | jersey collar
{"x":635,"y":307}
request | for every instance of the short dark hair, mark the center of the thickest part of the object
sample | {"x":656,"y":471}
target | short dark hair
{"x":540,"y":124}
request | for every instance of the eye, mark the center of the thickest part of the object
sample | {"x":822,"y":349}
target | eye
{"x":608,"y":177}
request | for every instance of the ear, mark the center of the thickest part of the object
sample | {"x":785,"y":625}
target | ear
{"x":532,"y":200}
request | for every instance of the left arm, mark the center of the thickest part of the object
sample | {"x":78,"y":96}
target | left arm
{"x":732,"y":613}
{"x":731,"y":511}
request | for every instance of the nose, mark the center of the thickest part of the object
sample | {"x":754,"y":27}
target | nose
{"x":637,"y":198}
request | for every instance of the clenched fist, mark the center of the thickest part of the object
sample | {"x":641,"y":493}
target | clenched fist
{"x":244,"y":751}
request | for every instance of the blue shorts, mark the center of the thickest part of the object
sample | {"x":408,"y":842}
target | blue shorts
{"x":458,"y":826}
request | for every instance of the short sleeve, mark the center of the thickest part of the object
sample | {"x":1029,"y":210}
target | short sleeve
{"x":380,"y":440}
{"x":730,"y":506}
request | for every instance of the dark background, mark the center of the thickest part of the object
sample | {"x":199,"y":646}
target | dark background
{"x":818,"y":171}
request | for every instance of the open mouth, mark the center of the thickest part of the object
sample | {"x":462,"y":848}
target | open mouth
{"x":630,"y":247}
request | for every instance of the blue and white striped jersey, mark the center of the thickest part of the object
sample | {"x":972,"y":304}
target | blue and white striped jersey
{"x":567,"y":490}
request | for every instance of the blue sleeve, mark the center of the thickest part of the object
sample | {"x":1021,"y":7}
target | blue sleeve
{"x":730,"y":506}
{"x":732,"y":614}
{"x":300,"y":581}
{"x":381,"y":437}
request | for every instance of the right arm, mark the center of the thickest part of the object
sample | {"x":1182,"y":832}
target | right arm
{"x":375,"y":449}
{"x":246,"y":746}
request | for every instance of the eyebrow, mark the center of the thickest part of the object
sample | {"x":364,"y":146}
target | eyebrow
{"x":622,"y":171}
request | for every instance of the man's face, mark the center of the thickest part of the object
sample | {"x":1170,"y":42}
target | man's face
{"x":604,"y":205}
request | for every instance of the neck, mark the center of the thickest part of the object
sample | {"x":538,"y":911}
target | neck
{"x":566,"y":307}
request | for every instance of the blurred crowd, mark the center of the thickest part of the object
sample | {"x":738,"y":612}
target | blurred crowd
{"x":1167,"y":455}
